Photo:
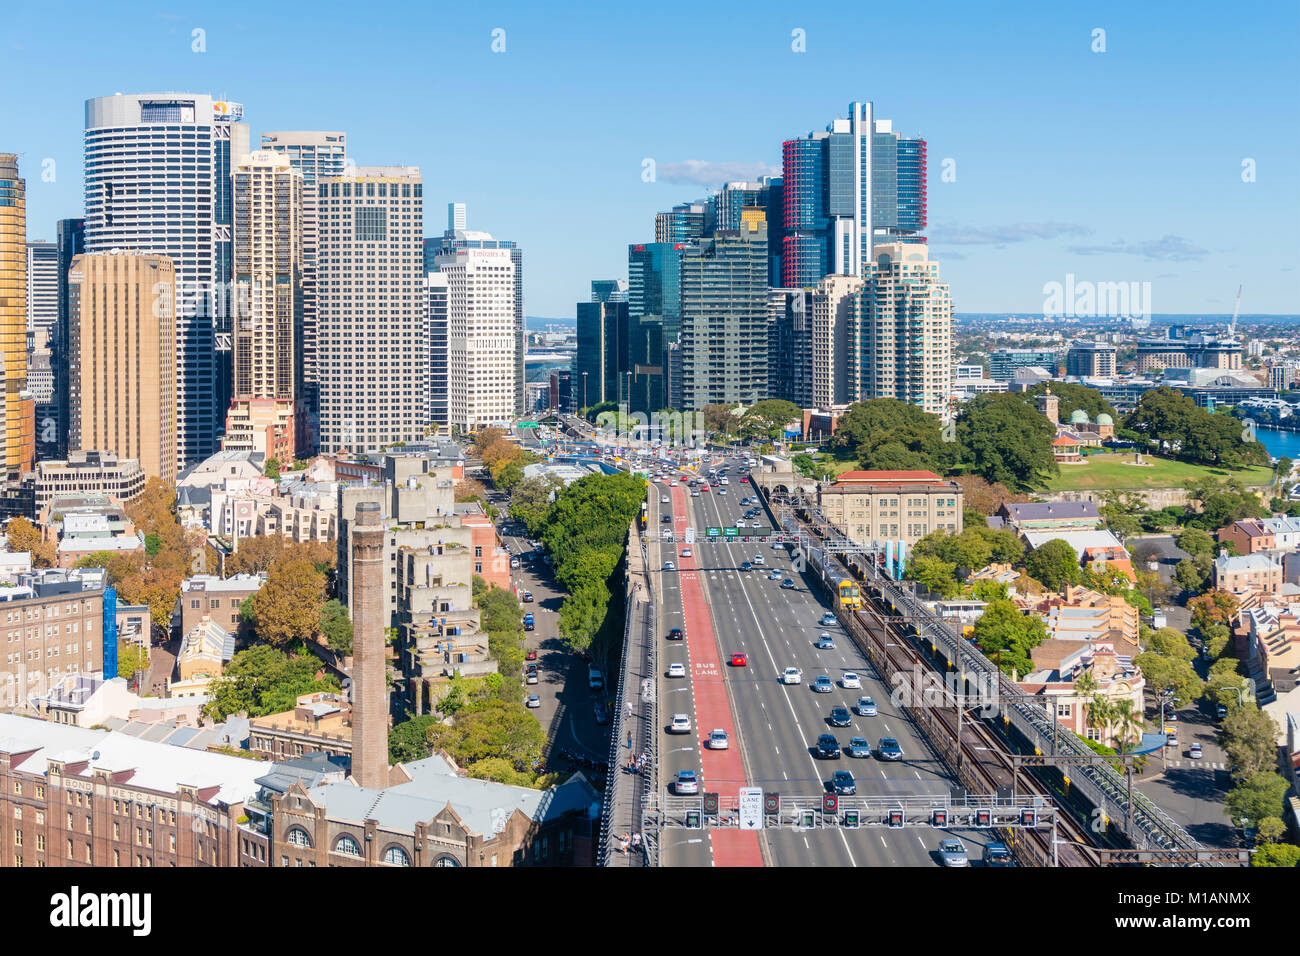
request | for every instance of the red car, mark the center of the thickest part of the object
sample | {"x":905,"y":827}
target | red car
{"x":531,"y":656}
{"x":739,"y":659}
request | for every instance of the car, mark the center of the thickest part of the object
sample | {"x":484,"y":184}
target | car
{"x":695,"y":492}
{"x":740,"y":522}
{"x":722,"y":491}
{"x":665,"y":519}
{"x":778,"y":545}
{"x":677,"y":669}
{"x":997,"y":854}
{"x":687,"y":783}
{"x":531,"y":677}
{"x":675,"y":634}
{"x":787,"y":585}
{"x":687,"y":552}
{"x":828,"y":619}
{"x":533,"y":701}
{"x":531,"y":655}
{"x":746,"y":566}
{"x":529,"y":623}
{"x":744,"y":477}
{"x":1195,"y":752}
{"x":758,"y":559}
{"x":823,"y":685}
{"x":601,"y":712}
{"x":866,"y":707}
{"x":528,"y":597}
{"x":739,"y":659}
{"x":1221,"y":711}
{"x":663,"y":500}
{"x":774,"y":575}
{"x":1171,"y":716}
{"x":669,"y":566}
{"x":1171,"y":738}
{"x":840,"y":717}
{"x":858,"y":747}
{"x":843,"y":784}
{"x":889,"y":749}
{"x":681,"y":724}
{"x":828,"y":748}
{"x":718,"y":740}
{"x":792,"y":675}
{"x":850,"y":681}
{"x":514,"y":562}
{"x":824,"y":642}
{"x":952,"y":852}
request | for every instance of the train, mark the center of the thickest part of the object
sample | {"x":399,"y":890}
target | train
{"x":839,"y":586}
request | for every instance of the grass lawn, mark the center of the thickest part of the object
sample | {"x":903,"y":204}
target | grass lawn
{"x":1103,"y":472}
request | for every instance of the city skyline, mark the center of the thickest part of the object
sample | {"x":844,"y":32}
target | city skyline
{"x":1059,"y":168}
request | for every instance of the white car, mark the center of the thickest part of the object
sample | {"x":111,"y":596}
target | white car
{"x":792,"y":675}
{"x":669,"y":566}
{"x":851,"y":680}
{"x":718,"y":740}
{"x":722,"y":491}
{"x":664,"y":500}
{"x":681,"y":724}
{"x":695,"y":492}
{"x":677,"y":670}
{"x":686,"y":552}
{"x":740,"y":522}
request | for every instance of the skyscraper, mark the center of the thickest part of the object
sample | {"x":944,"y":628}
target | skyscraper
{"x":372,"y":338}
{"x":601,"y":362}
{"x":318,"y":155}
{"x":71,"y":243}
{"x":122,"y":358}
{"x":13,"y":316}
{"x":158,"y":180}
{"x":268,"y":296}
{"x":900,"y":338}
{"x":42,"y":292}
{"x":654,"y":299}
{"x":844,"y":190}
{"x":724,"y":316}
{"x":608,"y":290}
{"x":435,"y":287}
{"x":683,"y":222}
{"x":482,"y":364}
{"x":458,"y":238}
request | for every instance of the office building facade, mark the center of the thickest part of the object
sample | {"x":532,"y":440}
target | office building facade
{"x":601,"y":364}
{"x":1091,"y":359}
{"x":484,"y":368}
{"x":372,"y":337}
{"x":42,"y":292}
{"x":435,"y":289}
{"x":71,"y":241}
{"x":13,"y":316}
{"x":654,"y":322}
{"x":158,"y":180}
{"x":123,"y":362}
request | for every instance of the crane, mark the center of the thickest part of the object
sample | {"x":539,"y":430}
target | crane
{"x":1232,"y":326}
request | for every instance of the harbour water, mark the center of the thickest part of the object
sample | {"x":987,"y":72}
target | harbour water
{"x":1280,"y":444}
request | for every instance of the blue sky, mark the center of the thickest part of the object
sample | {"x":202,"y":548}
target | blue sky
{"x":1122,"y":166}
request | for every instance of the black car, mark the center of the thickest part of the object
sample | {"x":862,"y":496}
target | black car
{"x":828,"y":748}
{"x":842,"y":783}
{"x":889,"y":749}
{"x":840,"y":717}
{"x":675,"y":634}
{"x":666,"y":519}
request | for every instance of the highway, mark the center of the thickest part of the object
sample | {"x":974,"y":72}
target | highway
{"x":775,"y":725}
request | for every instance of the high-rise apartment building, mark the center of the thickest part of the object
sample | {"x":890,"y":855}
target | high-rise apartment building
{"x":1091,"y":359}
{"x":724,"y":316}
{"x":16,"y":430}
{"x":435,"y":288}
{"x":42,"y":292}
{"x":844,"y":190}
{"x":456,"y":239}
{"x":901,"y":332}
{"x":122,"y":358}
{"x":372,"y":336}
{"x":482,"y":363}
{"x":789,"y":346}
{"x":1004,"y":362}
{"x":318,"y":155}
{"x":268,"y":290}
{"x":832,"y":303}
{"x":158,"y":180}
{"x":684,"y":222}
{"x":71,"y":242}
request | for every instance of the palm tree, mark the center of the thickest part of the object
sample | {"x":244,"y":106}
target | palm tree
{"x":1128,"y":723}
{"x":1100,"y":714}
{"x":1085,"y":685}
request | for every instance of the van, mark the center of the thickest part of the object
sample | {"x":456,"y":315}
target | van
{"x":594,"y":680}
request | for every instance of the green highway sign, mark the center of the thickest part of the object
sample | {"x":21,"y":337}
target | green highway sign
{"x":729,"y":532}
{"x":527,"y":425}
{"x":713,"y":532}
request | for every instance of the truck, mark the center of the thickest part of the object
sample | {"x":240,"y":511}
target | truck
{"x":528,"y":622}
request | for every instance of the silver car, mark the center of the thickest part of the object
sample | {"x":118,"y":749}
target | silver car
{"x":952,"y":852}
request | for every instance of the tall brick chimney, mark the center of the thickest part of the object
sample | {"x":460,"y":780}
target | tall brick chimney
{"x":369,"y":680}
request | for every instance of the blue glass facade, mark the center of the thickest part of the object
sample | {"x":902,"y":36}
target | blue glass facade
{"x":109,"y":632}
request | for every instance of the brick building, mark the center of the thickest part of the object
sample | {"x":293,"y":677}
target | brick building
{"x":891,"y":505}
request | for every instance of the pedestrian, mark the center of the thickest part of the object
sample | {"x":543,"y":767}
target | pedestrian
{"x":629,"y":708}
{"x":629,"y":739}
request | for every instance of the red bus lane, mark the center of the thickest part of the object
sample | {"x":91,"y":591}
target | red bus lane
{"x":722,"y":769}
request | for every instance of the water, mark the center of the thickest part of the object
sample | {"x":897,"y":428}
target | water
{"x":1280,"y":444}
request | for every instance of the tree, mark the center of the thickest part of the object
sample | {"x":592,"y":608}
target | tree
{"x":1002,"y":627}
{"x":1270,"y":829}
{"x":1171,"y":643}
{"x":886,"y":434}
{"x":767,"y":417}
{"x":272,"y":469}
{"x":530,"y":500}
{"x":1276,"y":854}
{"x":934,"y":574}
{"x":467,"y":489}
{"x":492,"y":728}
{"x":718,"y":419}
{"x":409,"y":740}
{"x":1249,"y":738}
{"x":336,"y":625}
{"x":1221,"y":503}
{"x":1071,"y":398}
{"x":263,"y":680}
{"x":982,"y":497}
{"x":158,"y":588}
{"x":1002,"y":444}
{"x":1054,"y":564}
{"x":1193,"y":574}
{"x":1256,"y":797}
{"x":1216,"y":638}
{"x":1126,"y":724}
{"x":260,"y":553}
{"x":1161,"y":671}
{"x":288,"y":606}
{"x":1213,"y":607}
{"x":25,"y":536}
{"x":507,"y":475}
{"x":1170,"y":421}
{"x":131,"y":658}
{"x":1284,"y":466}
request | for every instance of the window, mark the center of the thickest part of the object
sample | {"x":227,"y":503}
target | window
{"x":452,"y":861}
{"x":396,"y":856}
{"x":347,"y":846}
{"x":298,"y":837}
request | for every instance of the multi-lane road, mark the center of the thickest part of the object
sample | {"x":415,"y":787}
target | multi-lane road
{"x":772,"y":726}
